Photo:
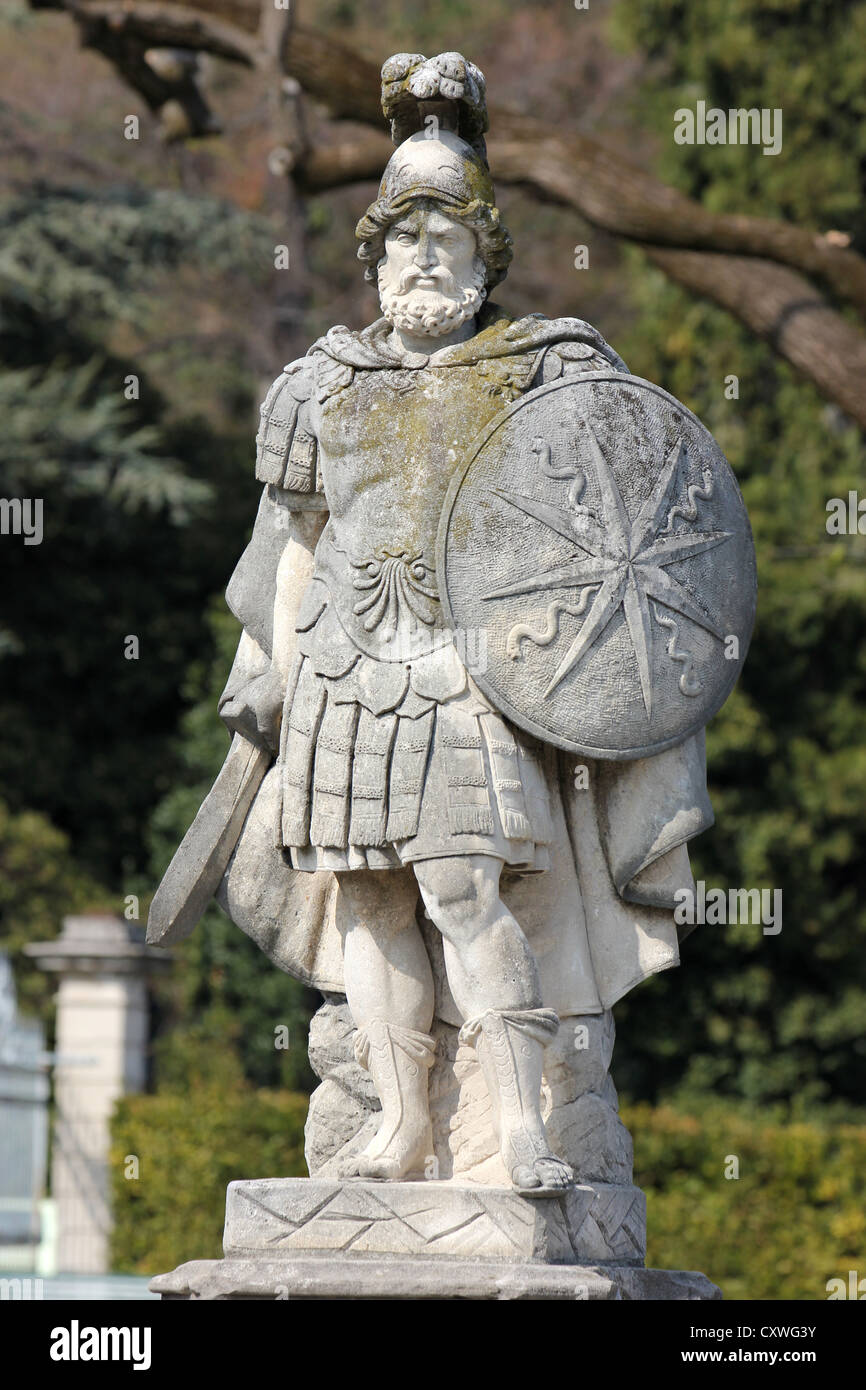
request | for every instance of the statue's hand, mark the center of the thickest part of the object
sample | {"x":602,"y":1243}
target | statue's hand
{"x":256,"y":710}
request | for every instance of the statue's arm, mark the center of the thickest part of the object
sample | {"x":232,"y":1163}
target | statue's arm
{"x":252,"y":701}
{"x":268,"y":584}
{"x":264,"y":593}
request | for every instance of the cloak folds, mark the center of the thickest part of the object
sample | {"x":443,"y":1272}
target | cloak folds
{"x":600,"y":919}
{"x":593,"y":941}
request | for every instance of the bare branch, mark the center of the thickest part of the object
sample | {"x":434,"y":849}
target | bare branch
{"x":744,"y":264}
{"x":166,"y":26}
{"x":614,"y":194}
{"x":600,"y":184}
{"x":352,"y":160}
{"x":574,"y":169}
{"x":787,"y":312}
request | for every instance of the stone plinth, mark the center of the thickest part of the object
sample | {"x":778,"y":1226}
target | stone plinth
{"x":306,"y":1238}
{"x":592,"y":1224}
{"x":298,"y":1237}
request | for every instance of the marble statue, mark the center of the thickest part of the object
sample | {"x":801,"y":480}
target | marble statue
{"x":495,"y":589}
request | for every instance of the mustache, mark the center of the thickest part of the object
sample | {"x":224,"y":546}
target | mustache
{"x":412,"y":273}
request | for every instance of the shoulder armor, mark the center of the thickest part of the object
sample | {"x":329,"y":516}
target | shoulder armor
{"x":286,"y":449}
{"x":508,"y":377}
{"x":574,"y":359}
{"x":330,"y":376}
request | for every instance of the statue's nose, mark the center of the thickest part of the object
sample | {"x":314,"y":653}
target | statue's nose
{"x":425,"y":256}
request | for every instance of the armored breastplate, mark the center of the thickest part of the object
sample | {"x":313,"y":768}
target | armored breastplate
{"x":388,"y":445}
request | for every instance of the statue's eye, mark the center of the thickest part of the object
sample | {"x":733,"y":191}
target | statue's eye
{"x":405,"y":238}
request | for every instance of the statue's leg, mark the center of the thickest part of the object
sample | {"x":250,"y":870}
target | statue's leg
{"x":494,"y":981}
{"x":389,"y":986}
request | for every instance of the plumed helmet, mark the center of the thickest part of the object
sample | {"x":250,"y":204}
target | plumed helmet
{"x":438,"y":114}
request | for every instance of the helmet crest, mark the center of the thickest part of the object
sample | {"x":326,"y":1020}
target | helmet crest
{"x":438,"y":114}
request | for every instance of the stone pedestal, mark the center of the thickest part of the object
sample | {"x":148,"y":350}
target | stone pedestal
{"x":589,"y":1225}
{"x":464,"y":1232}
{"x":289,"y":1238}
{"x":398,"y":1277}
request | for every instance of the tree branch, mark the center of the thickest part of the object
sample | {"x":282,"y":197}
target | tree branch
{"x":786,"y":311}
{"x":166,"y":26}
{"x":574,"y":169}
{"x":614,"y":194}
{"x":352,"y":160}
{"x":744,"y":264}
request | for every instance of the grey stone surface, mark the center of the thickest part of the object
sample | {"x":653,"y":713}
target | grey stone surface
{"x":314,"y":1277}
{"x":417,"y":680}
{"x":338,"y":1126}
{"x":604,"y":500}
{"x":579,"y":1103}
{"x":587,"y":1224}
{"x":331,"y":1051}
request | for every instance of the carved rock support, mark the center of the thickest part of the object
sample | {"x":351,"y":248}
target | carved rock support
{"x":579,"y":1103}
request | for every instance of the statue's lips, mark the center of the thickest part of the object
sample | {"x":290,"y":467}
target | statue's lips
{"x":424,"y":282}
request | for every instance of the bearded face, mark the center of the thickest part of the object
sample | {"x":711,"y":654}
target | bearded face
{"x":431,"y":278}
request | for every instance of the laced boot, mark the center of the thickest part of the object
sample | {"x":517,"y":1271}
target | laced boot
{"x":510,"y":1047}
{"x":398,"y":1059}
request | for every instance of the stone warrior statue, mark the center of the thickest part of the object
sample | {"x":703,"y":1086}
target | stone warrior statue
{"x":487,"y":607}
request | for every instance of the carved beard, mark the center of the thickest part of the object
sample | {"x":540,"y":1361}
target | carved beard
{"x":433,"y":312}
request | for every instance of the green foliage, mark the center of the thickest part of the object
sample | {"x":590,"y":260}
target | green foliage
{"x":767,"y":1017}
{"x":68,"y":434}
{"x":39,"y":884}
{"x":71,"y":256}
{"x":190,"y":1144}
{"x":804,"y":57}
{"x":790,"y":1221}
{"x":144,"y":503}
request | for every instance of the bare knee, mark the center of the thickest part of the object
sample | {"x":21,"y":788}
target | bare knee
{"x":460,"y":894}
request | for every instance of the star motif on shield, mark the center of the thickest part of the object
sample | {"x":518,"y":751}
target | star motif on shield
{"x":626,"y":559}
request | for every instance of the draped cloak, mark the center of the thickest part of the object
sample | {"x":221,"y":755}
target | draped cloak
{"x":599,"y":919}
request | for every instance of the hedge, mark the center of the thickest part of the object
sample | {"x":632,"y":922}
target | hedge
{"x":791,"y":1220}
{"x":189,"y":1148}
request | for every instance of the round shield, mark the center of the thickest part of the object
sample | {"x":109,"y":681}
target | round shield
{"x":595,"y":555}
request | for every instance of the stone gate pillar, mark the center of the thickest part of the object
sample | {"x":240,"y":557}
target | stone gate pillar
{"x":102,"y":1041}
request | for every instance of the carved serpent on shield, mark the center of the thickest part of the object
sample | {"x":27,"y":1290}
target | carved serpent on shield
{"x":688,"y":683}
{"x":689,"y":510}
{"x":576,"y":491}
{"x":524,"y":632}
